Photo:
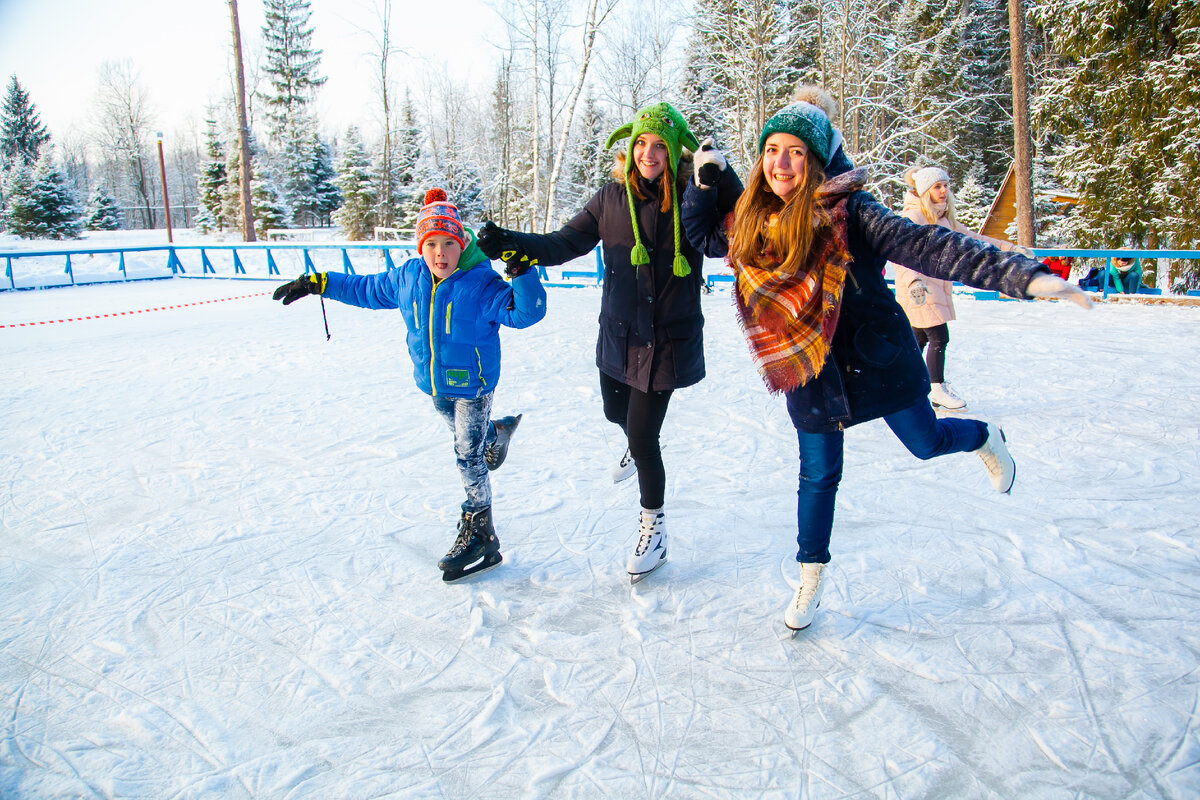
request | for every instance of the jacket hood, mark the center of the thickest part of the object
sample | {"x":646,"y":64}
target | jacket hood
{"x":471,"y":256}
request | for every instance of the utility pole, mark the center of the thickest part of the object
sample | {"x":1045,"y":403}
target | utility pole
{"x":243,"y":128}
{"x":162,"y":172}
{"x":1022,"y":138}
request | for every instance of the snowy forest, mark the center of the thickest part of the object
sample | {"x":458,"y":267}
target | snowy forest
{"x":1114,"y":92}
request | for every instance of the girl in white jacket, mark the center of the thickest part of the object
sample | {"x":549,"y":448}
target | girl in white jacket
{"x":928,"y":301}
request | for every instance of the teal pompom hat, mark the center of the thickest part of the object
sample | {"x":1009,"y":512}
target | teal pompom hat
{"x":665,"y":122}
{"x":807,"y":123}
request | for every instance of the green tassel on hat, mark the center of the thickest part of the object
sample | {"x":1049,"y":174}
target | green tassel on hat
{"x":665,"y":122}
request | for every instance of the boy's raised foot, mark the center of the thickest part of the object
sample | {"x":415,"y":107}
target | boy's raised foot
{"x":495,"y":453}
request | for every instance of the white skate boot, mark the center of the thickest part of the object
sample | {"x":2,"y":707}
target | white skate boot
{"x":650,"y":552}
{"x":1002,"y":470}
{"x":625,"y":468}
{"x":943,"y":396}
{"x":803,"y":608}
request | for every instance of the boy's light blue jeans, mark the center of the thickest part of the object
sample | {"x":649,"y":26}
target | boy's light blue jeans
{"x":470,"y":419}
{"x":917,"y":427}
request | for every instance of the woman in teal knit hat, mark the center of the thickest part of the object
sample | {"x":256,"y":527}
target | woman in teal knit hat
{"x":807,"y":246}
{"x":651,"y":327}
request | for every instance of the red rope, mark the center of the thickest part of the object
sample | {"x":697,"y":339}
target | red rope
{"x":130,"y":313}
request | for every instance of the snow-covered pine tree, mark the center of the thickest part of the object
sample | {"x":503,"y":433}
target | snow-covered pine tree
{"x":1124,"y":102}
{"x":592,"y":164}
{"x":400,"y":209}
{"x":212,"y":183}
{"x":746,"y":50}
{"x":22,"y":132}
{"x":41,"y":203}
{"x":291,"y":64}
{"x":270,"y":207}
{"x":971,"y":198}
{"x":356,"y":216}
{"x":103,"y":214}
{"x":326,"y":197}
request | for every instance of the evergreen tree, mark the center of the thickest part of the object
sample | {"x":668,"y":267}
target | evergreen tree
{"x":326,"y":197}
{"x":356,"y":216}
{"x":103,"y":213}
{"x":22,"y":133}
{"x":291,"y":65}
{"x":1123,"y":100}
{"x":270,"y":208}
{"x":592,"y":165}
{"x":212,"y":183}
{"x":41,"y":205}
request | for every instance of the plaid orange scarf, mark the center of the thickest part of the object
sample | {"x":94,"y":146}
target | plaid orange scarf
{"x":789,"y":319}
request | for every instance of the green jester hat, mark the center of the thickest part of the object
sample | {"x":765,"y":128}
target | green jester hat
{"x":664,"y":121}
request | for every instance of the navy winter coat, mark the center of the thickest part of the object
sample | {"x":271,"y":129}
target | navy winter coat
{"x":874,"y":367}
{"x":651,"y":328}
{"x":454,"y":327}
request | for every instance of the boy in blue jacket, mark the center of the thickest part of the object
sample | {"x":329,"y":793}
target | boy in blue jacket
{"x":453,"y":305}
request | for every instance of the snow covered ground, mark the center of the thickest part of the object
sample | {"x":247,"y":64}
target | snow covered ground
{"x":220,"y":534}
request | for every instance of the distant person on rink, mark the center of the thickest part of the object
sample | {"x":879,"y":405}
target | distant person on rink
{"x":1123,"y":275}
{"x":453,"y":304}
{"x":928,"y":302}
{"x":1059,"y":265}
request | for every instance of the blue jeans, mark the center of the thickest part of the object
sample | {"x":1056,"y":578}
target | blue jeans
{"x":473,"y":431}
{"x":917,"y":427}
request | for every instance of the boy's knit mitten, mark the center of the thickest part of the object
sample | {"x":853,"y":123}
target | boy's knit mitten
{"x":312,"y":283}
{"x":709,"y":163}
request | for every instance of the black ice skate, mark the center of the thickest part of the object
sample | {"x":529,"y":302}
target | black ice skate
{"x":476,"y":549}
{"x":495,"y":453}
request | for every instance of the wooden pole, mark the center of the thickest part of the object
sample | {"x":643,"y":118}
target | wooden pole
{"x":162,"y":171}
{"x":243,"y":128}
{"x":1022,"y":138}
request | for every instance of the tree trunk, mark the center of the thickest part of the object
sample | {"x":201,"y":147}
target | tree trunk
{"x":591,"y":27}
{"x":1022,"y":139}
{"x":243,"y":128}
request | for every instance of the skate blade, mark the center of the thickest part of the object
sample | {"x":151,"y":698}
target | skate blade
{"x":959,"y":410}
{"x":638,"y":577}
{"x":458,"y":576}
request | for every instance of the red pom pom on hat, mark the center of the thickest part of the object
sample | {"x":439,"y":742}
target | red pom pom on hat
{"x":435,"y":196}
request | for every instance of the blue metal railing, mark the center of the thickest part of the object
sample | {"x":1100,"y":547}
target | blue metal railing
{"x":169,"y":261}
{"x":243,"y":261}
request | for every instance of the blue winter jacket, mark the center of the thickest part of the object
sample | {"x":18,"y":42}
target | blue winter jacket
{"x":454,"y":327}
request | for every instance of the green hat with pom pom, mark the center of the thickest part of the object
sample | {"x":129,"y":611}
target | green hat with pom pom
{"x":665,"y":122}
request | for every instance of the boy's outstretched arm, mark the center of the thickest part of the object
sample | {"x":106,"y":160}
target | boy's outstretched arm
{"x":521,"y":303}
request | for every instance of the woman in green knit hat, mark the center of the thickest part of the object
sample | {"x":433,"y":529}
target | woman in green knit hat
{"x":651,"y":327}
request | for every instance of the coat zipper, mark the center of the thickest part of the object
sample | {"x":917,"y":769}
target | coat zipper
{"x":432,"y":328}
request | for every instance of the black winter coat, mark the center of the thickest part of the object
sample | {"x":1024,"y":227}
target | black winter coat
{"x":875,"y":366}
{"x":651,"y":327}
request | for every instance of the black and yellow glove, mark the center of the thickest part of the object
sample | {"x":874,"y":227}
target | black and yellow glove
{"x":496,"y":242}
{"x":310,"y":283}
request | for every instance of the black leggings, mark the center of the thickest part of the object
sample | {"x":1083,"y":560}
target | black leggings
{"x":937,"y":337}
{"x":641,"y":416}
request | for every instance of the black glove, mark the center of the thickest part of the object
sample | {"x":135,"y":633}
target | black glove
{"x":312,"y":283}
{"x":709,"y":163}
{"x":495,"y":242}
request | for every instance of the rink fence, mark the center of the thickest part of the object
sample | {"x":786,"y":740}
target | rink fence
{"x":263,"y":261}
{"x":43,"y":269}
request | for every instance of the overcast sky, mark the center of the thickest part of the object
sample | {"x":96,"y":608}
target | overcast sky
{"x":181,"y":50}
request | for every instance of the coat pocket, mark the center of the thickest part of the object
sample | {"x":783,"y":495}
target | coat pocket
{"x":612,"y":345}
{"x":877,"y":344}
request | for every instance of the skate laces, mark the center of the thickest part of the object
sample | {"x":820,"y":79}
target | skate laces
{"x":810,"y":580}
{"x":626,"y":459}
{"x":464,"y":536}
{"x":647,"y":535}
